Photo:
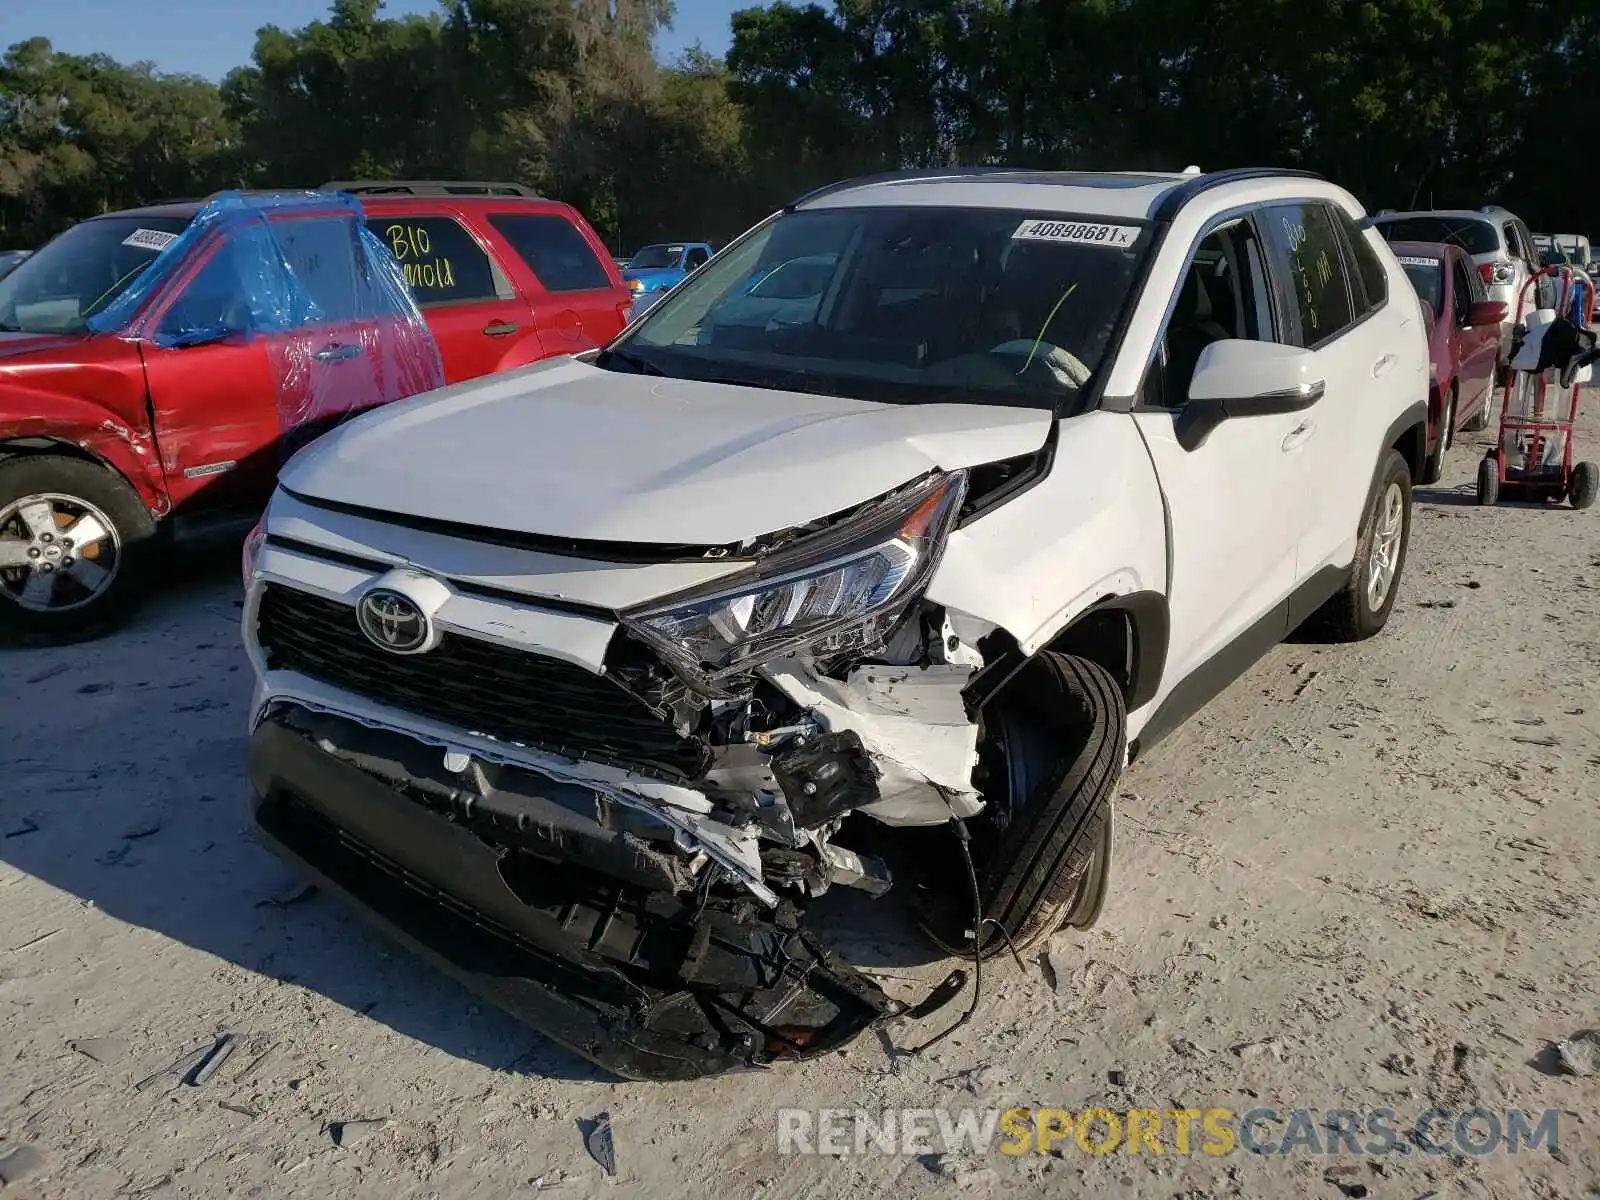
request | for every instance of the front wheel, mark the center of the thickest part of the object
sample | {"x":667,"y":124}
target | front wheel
{"x":1053,"y":746}
{"x":1363,"y":606}
{"x":75,"y":542}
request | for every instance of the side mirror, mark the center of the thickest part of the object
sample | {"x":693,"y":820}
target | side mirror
{"x":1236,"y":378}
{"x":1486,"y":312}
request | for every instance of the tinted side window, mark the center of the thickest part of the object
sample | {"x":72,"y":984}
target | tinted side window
{"x":1369,"y":278}
{"x":441,"y":261}
{"x":697,"y":258}
{"x":555,"y":252}
{"x":1306,"y":259}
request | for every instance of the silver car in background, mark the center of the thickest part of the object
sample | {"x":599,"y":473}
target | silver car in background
{"x":1501,"y":246}
{"x":9,"y":260}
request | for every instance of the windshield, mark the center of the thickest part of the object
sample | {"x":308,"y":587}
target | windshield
{"x":915,"y":305}
{"x":76,"y":275}
{"x":656,"y":256}
{"x":1427,"y":276}
{"x":1473,"y":236}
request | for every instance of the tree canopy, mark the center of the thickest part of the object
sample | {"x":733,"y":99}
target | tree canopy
{"x":1448,"y":103}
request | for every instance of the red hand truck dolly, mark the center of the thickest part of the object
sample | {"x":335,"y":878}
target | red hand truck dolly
{"x":1532,"y":457}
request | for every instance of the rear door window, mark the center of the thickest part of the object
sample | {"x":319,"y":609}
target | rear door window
{"x":1369,"y":281}
{"x":442,"y":262}
{"x":1303,"y":241}
{"x":560,"y":257}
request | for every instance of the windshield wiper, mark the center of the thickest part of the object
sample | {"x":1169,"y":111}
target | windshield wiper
{"x":641,"y":366}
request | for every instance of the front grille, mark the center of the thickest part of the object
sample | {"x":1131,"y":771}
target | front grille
{"x":512,"y":695}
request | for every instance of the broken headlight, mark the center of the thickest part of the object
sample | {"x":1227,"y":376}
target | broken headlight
{"x":827,"y":593}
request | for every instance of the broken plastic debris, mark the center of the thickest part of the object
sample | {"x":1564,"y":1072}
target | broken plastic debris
{"x":348,"y":1133}
{"x":597,"y":1141}
{"x":100,"y":1049}
{"x":212,"y":1062}
{"x":289,"y":895}
{"x":17,"y":1163}
{"x":192,"y":1058}
{"x":1580,"y":1053}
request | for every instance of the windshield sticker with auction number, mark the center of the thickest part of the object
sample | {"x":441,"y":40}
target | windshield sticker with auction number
{"x":1078,"y":232}
{"x":150,"y":239}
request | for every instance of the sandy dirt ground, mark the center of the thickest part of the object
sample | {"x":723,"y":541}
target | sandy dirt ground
{"x":1364,"y":877}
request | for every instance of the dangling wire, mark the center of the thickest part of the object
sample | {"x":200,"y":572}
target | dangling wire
{"x":979,"y":921}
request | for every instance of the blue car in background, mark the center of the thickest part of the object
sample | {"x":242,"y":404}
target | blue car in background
{"x":656,"y":268}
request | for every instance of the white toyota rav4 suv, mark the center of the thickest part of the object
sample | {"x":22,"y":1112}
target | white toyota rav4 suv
{"x":584,"y":679}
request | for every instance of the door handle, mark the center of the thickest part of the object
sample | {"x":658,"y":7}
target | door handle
{"x":1298,"y":436}
{"x":499,"y":329}
{"x":1383,"y":366}
{"x":336,"y":352}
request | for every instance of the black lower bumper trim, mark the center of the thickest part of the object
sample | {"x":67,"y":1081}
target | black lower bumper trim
{"x":633,"y":980}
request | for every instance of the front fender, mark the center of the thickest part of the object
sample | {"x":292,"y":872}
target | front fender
{"x":48,"y":417}
{"x":1094,"y":528}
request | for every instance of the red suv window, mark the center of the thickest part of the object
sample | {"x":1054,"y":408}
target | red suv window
{"x":557,"y":254}
{"x":443,"y":263}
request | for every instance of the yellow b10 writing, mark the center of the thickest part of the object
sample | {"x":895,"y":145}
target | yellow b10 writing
{"x":413,"y":248}
{"x":1132,"y":1131}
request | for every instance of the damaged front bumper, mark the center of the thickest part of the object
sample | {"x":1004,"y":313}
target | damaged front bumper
{"x":491,"y":874}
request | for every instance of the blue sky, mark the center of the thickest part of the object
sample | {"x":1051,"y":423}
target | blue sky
{"x":210,"y":37}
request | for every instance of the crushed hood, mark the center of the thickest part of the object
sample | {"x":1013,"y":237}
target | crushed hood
{"x":564,"y":449}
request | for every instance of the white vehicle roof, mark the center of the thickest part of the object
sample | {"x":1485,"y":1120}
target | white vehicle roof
{"x":1455,"y":214}
{"x":1135,"y":195}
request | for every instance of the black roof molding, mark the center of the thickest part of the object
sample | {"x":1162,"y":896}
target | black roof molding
{"x":1186,"y":191}
{"x":903,"y":176}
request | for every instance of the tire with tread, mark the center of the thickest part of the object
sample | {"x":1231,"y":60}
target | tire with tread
{"x":1585,"y":486}
{"x":1349,"y":613}
{"x":1433,"y":466}
{"x":1488,"y":481}
{"x":135,"y":529}
{"x":1030,"y":872}
{"x":1479,"y":421}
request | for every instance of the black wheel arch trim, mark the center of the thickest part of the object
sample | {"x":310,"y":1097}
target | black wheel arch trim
{"x":1150,"y":622}
{"x":1414,"y":416}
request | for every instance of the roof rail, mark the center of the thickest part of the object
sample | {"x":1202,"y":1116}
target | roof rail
{"x":428,"y":187}
{"x":1190,"y":188}
{"x":898,"y":176}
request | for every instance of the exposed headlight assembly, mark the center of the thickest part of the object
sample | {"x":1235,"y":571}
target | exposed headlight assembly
{"x":827,"y":593}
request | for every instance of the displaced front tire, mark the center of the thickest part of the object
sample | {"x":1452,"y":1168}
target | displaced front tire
{"x":75,"y":544}
{"x":1054,"y":744}
{"x":1362,"y":607}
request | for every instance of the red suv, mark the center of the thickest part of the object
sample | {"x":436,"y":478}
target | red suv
{"x":111,"y":445}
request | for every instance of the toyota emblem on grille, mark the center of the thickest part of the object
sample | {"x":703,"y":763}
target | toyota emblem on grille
{"x":392,"y":621}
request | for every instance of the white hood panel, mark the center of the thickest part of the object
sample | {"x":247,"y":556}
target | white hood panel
{"x":565,"y":449}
